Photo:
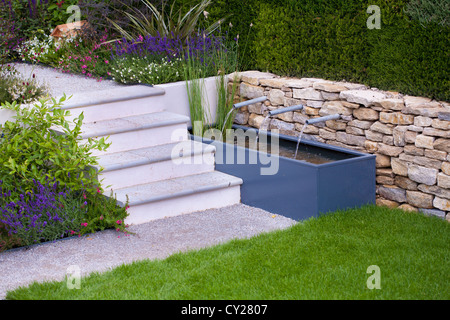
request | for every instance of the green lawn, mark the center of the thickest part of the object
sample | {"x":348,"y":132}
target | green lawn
{"x":322,"y":258}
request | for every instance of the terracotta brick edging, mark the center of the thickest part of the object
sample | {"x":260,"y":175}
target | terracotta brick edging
{"x":409,"y":135}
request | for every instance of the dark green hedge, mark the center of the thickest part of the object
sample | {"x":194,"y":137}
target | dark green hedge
{"x":330,"y":39}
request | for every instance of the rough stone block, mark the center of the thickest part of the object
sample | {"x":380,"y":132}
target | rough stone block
{"x":405,"y":183}
{"x":436,"y":132}
{"x":424,"y":141}
{"x":276,"y":97}
{"x":436,"y":154}
{"x":442,"y":144}
{"x":441,"y":124}
{"x":354,"y":130}
{"x":307,"y":93}
{"x":385,"y":180}
{"x":437,"y":191}
{"x":433,"y":212}
{"x":446,"y":168}
{"x":273,"y":82}
{"x":364,"y":97}
{"x":365,"y":114}
{"x":423,"y":175}
{"x":284,"y":127}
{"x":382,"y":161}
{"x":255,"y":120}
{"x":381,"y":128}
{"x":389,"y":150}
{"x":374,"y":136}
{"x":314,"y":104}
{"x":326,"y":134}
{"x":392,"y":193}
{"x":423,"y":121}
{"x":334,"y":107}
{"x":410,"y":136}
{"x":399,"y":167}
{"x":250,"y":91}
{"x":443,"y":180}
{"x":253,"y":77}
{"x":241,"y":118}
{"x":440,"y":203}
{"x":329,"y":87}
{"x":419,"y":199}
{"x":392,"y":104}
{"x":370,"y":146}
{"x":289,"y":102}
{"x":407,"y":207}
{"x":396,"y":118}
{"x":330,"y":96}
{"x":386,"y":203}
{"x":350,"y":139}
{"x":336,"y":124}
{"x":413,"y":150}
{"x":399,"y":136}
{"x":311,"y":111}
{"x":360,"y":124}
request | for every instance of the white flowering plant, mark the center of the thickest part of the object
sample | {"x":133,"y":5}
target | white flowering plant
{"x":134,"y":69}
{"x":43,"y":49}
{"x":14,"y":88}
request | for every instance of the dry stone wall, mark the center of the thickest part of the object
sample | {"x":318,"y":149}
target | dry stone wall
{"x":409,"y":135}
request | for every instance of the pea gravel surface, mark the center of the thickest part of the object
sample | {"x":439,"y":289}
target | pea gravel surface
{"x":156,"y":239}
{"x":58,"y":83}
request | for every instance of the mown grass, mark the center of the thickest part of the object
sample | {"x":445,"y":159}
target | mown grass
{"x":321,"y":258}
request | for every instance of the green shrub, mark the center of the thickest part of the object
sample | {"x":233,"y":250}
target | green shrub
{"x":330,"y":39}
{"x":413,"y":62}
{"x":31,"y":148}
{"x":429,"y":11}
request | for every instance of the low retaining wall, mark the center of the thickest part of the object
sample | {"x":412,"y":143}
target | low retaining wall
{"x":409,"y":135}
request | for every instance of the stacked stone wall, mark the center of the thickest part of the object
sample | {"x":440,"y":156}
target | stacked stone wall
{"x":409,"y":135}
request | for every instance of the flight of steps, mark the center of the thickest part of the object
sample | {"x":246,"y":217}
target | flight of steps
{"x":151,"y":159}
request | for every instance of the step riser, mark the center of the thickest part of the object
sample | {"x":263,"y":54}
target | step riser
{"x":142,"y":138}
{"x":119,"y":109}
{"x":187,"y":204}
{"x":157,"y":171}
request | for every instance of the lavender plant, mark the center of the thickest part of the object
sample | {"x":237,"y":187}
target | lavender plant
{"x":45,"y":213}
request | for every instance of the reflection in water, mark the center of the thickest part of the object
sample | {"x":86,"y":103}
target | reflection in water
{"x":288,"y":150}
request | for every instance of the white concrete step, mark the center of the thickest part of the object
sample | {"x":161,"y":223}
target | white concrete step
{"x":115,"y":103}
{"x":168,"y":161}
{"x":176,"y":196}
{"x":137,"y":132}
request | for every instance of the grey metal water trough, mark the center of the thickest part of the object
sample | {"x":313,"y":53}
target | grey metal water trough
{"x":300,"y":190}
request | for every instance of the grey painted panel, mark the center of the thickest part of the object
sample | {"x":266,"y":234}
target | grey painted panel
{"x":300,"y":190}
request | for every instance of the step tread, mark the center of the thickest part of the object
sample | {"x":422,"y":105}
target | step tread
{"x":176,"y":187}
{"x":111,"y":95}
{"x":137,"y":157}
{"x":131,"y":123}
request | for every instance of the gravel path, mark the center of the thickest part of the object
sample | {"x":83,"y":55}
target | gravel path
{"x":59,"y":83}
{"x":153,"y":240}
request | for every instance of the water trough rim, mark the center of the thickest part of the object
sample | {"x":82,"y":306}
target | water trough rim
{"x":360,"y":156}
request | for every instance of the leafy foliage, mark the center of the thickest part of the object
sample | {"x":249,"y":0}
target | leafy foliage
{"x":330,"y":39}
{"x":172,"y":24}
{"x":42,"y":144}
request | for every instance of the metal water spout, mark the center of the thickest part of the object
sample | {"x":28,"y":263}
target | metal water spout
{"x":313,"y":121}
{"x":287,"y":109}
{"x":240,"y":105}
{"x":324,"y":118}
{"x":249,"y":102}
